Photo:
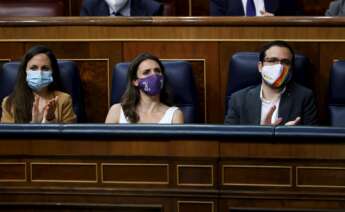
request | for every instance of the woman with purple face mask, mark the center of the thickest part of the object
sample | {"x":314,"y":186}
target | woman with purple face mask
{"x":145,"y":99}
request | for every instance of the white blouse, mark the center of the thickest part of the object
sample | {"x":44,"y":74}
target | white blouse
{"x":166,"y":119}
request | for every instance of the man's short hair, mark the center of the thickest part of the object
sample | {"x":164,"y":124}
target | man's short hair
{"x":278,"y":43}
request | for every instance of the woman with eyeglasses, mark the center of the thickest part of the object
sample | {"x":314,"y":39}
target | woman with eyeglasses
{"x":37,"y":96}
{"x":146,"y":99}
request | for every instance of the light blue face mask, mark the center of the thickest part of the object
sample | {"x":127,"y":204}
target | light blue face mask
{"x":39,"y":79}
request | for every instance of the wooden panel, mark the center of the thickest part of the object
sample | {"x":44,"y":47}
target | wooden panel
{"x":322,"y":150}
{"x":182,"y":7}
{"x":280,"y":203}
{"x":64,"y":172}
{"x":315,"y":177}
{"x":68,"y":6}
{"x":194,"y":148}
{"x":72,"y":50}
{"x":129,"y":173}
{"x":43,"y":207}
{"x":200,"y":7}
{"x":171,"y":29}
{"x":137,"y":148}
{"x":14,"y":51}
{"x":95,"y":81}
{"x":279,"y":210}
{"x":75,"y":7}
{"x":13,"y":172}
{"x":200,"y":206}
{"x":256,"y":175}
{"x":195,"y":175}
{"x":199,"y":72}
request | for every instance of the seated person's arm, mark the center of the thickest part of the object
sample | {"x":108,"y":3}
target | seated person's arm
{"x":178,"y":117}
{"x":113,"y":114}
{"x":309,"y":110}
{"x":6,"y":116}
{"x":232,"y":115}
{"x":68,"y":115}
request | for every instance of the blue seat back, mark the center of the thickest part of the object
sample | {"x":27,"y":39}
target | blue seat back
{"x":70,"y":80}
{"x":336,"y":96}
{"x":179,"y":78}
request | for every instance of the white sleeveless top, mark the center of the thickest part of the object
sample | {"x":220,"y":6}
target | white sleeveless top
{"x":166,"y":119}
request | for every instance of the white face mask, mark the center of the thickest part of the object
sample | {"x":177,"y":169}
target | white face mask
{"x":116,"y":5}
{"x":275,"y":75}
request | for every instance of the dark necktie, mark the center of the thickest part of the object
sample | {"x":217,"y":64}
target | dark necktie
{"x":116,"y":14}
{"x":250,"y":8}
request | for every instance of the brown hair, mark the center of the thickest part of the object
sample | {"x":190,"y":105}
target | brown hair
{"x":21,"y":99}
{"x":131,"y":97}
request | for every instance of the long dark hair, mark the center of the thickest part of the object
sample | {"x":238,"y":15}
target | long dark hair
{"x":22,"y":97}
{"x":131,"y":97}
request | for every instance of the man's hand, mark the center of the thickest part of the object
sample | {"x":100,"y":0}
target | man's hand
{"x":264,"y":13}
{"x":268,"y":118}
{"x":294,"y":122}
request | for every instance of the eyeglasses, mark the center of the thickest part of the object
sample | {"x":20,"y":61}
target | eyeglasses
{"x":274,"y":60}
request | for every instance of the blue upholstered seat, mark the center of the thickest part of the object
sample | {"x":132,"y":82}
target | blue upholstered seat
{"x":180,"y":79}
{"x":70,"y":80}
{"x":336,"y":96}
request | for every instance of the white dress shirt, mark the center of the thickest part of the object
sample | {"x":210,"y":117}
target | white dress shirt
{"x":266,"y":105}
{"x":259,"y":6}
{"x":125,"y":11}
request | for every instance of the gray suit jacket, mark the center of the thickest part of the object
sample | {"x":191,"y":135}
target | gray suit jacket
{"x":245,"y":106}
{"x":336,"y":8}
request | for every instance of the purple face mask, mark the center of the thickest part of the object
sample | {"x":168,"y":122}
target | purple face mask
{"x":152,"y":84}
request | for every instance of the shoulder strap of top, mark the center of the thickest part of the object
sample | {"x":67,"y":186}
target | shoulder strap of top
{"x":168,"y":116}
{"x":123,"y":119}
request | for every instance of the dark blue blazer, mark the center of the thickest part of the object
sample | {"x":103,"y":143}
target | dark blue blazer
{"x":138,"y":8}
{"x":235,"y":7}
